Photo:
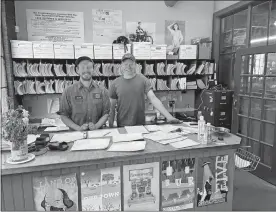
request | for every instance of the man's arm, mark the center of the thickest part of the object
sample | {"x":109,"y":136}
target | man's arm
{"x":69,"y":123}
{"x":112,"y":111}
{"x":106,"y":110}
{"x":159,"y":106}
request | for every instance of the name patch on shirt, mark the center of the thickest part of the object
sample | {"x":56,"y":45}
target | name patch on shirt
{"x":78,"y":98}
{"x":97,"y":95}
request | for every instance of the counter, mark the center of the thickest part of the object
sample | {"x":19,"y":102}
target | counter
{"x":17,"y":180}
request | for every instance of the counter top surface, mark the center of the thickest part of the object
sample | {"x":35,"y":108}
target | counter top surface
{"x":65,"y":159}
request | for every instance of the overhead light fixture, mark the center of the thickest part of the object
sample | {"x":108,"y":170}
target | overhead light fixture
{"x":274,"y":23}
{"x":263,"y":39}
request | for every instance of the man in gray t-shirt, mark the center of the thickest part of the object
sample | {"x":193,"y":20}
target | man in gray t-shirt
{"x":128,"y":92}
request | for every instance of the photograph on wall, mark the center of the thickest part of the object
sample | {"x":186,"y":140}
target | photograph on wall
{"x":56,"y":193}
{"x":141,"y":187}
{"x":56,"y":26}
{"x":212,"y":180}
{"x":140,"y":31}
{"x":178,"y":184}
{"x":101,"y":189}
{"x":174,"y":36}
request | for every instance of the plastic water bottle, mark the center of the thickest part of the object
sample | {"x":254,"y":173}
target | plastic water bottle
{"x":201,"y":129}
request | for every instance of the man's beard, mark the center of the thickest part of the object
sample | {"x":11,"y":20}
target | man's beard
{"x":86,"y":78}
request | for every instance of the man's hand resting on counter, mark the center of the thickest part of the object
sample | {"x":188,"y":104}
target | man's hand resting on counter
{"x":83,"y":127}
{"x":92,"y":126}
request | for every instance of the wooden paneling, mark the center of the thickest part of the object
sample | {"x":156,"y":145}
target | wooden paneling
{"x":7,"y":192}
{"x":28,"y":191}
{"x":17,"y":190}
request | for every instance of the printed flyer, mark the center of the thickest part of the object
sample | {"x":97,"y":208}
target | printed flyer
{"x":56,"y":193}
{"x":101,"y":190}
{"x":212,"y":180}
{"x":178,"y":184}
{"x":141,"y":187}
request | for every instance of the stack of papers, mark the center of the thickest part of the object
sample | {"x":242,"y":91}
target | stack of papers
{"x":153,"y":83}
{"x":162,"y":85}
{"x":149,"y":70}
{"x":117,"y":69}
{"x":180,"y":69}
{"x":138,"y":68}
{"x":127,"y":137}
{"x":170,"y":69}
{"x":152,"y":128}
{"x":161,"y":69}
{"x":58,"y":68}
{"x":191,"y":85}
{"x":161,"y":136}
{"x":127,"y":146}
{"x":19,"y":69}
{"x":136,"y":129}
{"x":184,"y":143}
{"x":91,"y":144}
{"x":68,"y":137}
{"x":70,"y":69}
{"x":200,"y":68}
{"x":96,"y":71}
{"x":178,"y":83}
{"x":56,"y":129}
{"x":107,"y":69}
{"x":98,"y":133}
{"x":192,"y":68}
{"x":45,"y":69}
{"x":32,"y":70}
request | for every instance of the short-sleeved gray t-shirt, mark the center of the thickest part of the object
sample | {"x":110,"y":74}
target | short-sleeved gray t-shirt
{"x":130,"y":95}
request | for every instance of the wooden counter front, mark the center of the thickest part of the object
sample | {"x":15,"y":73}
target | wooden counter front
{"x":17,"y":186}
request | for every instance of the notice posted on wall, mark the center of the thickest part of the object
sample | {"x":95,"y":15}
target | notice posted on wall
{"x":107,"y":25}
{"x":141,"y":187}
{"x":101,"y":189}
{"x":212,"y":180}
{"x":56,"y":26}
{"x":178,"y":184}
{"x":56,"y":193}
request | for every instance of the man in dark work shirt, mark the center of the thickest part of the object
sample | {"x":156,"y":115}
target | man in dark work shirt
{"x":84,"y":105}
{"x":128,"y":92}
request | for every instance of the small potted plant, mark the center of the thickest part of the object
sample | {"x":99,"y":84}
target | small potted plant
{"x":15,"y":130}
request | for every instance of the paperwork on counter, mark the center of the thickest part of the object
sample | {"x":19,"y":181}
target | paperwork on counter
{"x":184,"y":143}
{"x":136,"y":129}
{"x":31,"y":138}
{"x":161,"y":136}
{"x":172,"y":140}
{"x":127,"y":137}
{"x":102,"y":133}
{"x":56,"y":129}
{"x":127,"y":146}
{"x":68,"y":137}
{"x":91,"y":144}
{"x":241,"y":163}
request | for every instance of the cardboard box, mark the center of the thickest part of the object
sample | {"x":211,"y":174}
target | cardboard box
{"x":158,"y":51}
{"x":43,"y":49}
{"x":119,"y":50}
{"x":188,"y":52}
{"x":84,"y":49}
{"x":141,"y":50}
{"x":64,"y":51}
{"x":103,"y":51}
{"x":21,"y":49}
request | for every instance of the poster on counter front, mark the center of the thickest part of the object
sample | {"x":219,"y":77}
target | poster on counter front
{"x":56,"y":193}
{"x":212,"y":180}
{"x":54,"y":25}
{"x":178,"y":184}
{"x":101,"y":189}
{"x":141,"y":187}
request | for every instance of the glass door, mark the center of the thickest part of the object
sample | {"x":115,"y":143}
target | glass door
{"x":254,"y":111}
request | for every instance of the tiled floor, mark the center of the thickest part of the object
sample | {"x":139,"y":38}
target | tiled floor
{"x":253,"y":194}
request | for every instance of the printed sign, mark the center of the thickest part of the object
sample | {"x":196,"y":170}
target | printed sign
{"x":101,"y":190}
{"x":56,"y":193}
{"x":212,"y":180}
{"x":178,"y":184}
{"x":56,"y":26}
{"x":141,"y":187}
